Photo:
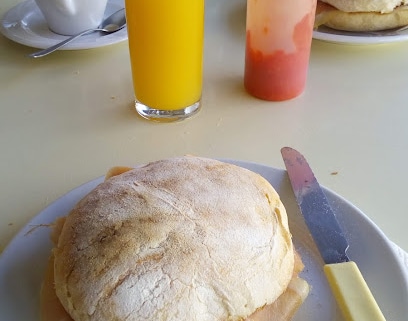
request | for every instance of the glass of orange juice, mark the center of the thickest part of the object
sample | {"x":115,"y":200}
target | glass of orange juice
{"x":166,"y":40}
{"x":278,"y":42}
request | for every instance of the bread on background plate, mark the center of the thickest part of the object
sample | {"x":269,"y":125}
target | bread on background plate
{"x":362,"y":15}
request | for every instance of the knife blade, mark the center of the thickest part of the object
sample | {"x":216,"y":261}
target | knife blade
{"x":349,"y":288}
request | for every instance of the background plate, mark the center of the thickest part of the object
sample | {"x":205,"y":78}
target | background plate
{"x":356,"y":38}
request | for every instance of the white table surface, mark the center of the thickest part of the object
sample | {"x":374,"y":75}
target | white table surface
{"x":68,"y":117}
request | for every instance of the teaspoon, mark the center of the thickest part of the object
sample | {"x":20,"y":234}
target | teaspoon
{"x":113,"y":23}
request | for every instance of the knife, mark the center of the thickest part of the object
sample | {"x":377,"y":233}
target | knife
{"x":350,"y":290}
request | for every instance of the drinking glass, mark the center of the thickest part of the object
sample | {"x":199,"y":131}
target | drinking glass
{"x":166,"y":39}
{"x":278,"y":42}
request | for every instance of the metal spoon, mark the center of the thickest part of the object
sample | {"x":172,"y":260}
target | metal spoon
{"x":113,"y":23}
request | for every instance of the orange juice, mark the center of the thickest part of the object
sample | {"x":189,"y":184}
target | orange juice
{"x":166,"y":50}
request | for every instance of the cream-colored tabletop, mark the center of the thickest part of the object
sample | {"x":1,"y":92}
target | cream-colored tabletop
{"x":68,"y":117}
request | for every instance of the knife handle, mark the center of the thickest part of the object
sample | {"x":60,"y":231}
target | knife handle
{"x":352,"y":293}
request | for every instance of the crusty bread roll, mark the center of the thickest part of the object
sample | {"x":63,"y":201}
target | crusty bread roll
{"x":184,"y":238}
{"x":343,"y":15}
{"x":382,"y":6}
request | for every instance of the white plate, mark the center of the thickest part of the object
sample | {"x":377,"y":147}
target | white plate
{"x":356,"y":38}
{"x":26,"y":25}
{"x":23,"y":261}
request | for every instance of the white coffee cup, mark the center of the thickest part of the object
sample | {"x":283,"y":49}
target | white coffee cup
{"x":69,"y":17}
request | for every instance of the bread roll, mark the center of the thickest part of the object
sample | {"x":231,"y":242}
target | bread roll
{"x":382,"y":6}
{"x":179,"y":239}
{"x":362,"y":21}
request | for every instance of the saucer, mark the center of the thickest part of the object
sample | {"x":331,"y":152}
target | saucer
{"x":26,"y":25}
